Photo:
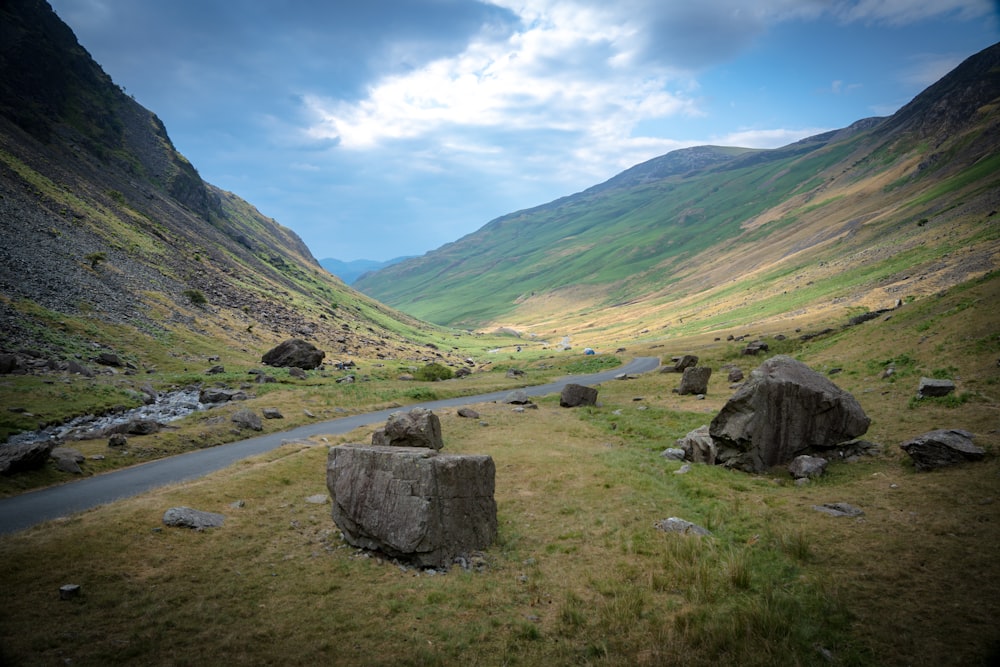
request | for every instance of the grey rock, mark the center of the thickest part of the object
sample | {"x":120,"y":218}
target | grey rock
{"x":118,"y":441}
{"x":675,"y":525}
{"x":695,"y":380}
{"x":735,"y":375}
{"x":215,"y":370}
{"x":576,"y":395}
{"x":318,"y":499}
{"x":417,"y":428}
{"x":943,"y":447}
{"x":698,"y":446}
{"x":430,"y":507}
{"x":517,"y":397}
{"x":272,"y":413}
{"x":141,"y":426}
{"x":247,"y":418}
{"x":294,"y":352}
{"x":839,"y":509}
{"x":807,"y":466}
{"x":673,"y":454}
{"x":68,"y":459}
{"x":297,"y":373}
{"x":680,"y":363}
{"x":783,"y":410}
{"x":931,"y":387}
{"x":755,"y":348}
{"x":19,"y":457}
{"x":468,"y":413}
{"x":108,"y":359}
{"x":185,"y":517}
{"x":219,"y":395}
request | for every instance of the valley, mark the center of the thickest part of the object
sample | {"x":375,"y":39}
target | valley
{"x":870,"y":254}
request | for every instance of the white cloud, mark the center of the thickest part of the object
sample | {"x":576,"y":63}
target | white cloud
{"x":567,"y":72}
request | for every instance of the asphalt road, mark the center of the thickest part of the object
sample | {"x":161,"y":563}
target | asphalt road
{"x":26,"y":510}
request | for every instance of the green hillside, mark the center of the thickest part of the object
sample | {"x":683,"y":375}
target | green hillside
{"x":697,"y":222}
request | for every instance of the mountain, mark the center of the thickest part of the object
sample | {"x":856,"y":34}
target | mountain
{"x":352,"y":270}
{"x":704,"y":238}
{"x":113,"y":242}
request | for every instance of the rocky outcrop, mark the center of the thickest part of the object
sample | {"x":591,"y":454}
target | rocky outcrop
{"x":413,"y":503}
{"x":294,"y":353}
{"x":941,"y":448}
{"x":783,"y":410}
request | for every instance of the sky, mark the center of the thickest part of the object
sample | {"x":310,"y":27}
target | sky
{"x":382,"y":128}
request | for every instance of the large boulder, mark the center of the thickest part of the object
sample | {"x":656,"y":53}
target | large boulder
{"x":943,"y":447}
{"x":24,"y":456}
{"x":417,"y":428}
{"x":783,"y":410}
{"x":294,"y":353}
{"x":695,"y":380}
{"x":576,"y":395}
{"x":413,"y":503}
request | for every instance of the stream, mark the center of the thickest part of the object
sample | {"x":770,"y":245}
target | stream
{"x":167,"y":407}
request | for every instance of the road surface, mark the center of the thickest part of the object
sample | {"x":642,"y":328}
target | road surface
{"x":26,"y":510}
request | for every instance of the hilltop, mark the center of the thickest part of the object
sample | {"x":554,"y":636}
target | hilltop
{"x":709,"y":238}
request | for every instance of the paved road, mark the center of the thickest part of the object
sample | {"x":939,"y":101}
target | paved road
{"x":25,"y":510}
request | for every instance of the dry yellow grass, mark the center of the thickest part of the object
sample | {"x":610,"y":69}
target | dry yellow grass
{"x":579,"y":575}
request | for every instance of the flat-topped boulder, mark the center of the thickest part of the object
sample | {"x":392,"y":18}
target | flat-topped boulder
{"x":413,"y":503}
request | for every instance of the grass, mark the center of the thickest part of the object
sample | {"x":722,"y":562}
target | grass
{"x":579,"y":574}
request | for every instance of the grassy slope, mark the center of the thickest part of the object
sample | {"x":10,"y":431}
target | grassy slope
{"x":638,"y":254}
{"x":578,"y":575}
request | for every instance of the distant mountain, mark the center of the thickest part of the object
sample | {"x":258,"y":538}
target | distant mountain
{"x":711,"y":236}
{"x":111,"y":239}
{"x":352,"y":270}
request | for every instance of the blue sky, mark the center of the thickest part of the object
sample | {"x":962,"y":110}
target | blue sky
{"x":384,"y":128}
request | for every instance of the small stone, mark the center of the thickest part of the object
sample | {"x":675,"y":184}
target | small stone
{"x":675,"y":525}
{"x":272,"y":413}
{"x":673,"y":453}
{"x":318,"y":499}
{"x":839,"y":509}
{"x":185,"y":517}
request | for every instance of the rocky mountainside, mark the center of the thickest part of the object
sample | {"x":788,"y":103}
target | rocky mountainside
{"x":112,"y":239}
{"x":707,"y":237}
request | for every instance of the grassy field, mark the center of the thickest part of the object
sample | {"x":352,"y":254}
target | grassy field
{"x":579,"y":573}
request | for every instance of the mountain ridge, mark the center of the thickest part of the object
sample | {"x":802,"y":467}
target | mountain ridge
{"x":692,"y":221}
{"x":105,"y":221}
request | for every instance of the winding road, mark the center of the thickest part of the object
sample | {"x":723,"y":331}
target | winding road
{"x":25,"y":510}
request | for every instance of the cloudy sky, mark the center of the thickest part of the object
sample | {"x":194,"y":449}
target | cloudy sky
{"x":380,"y":128}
